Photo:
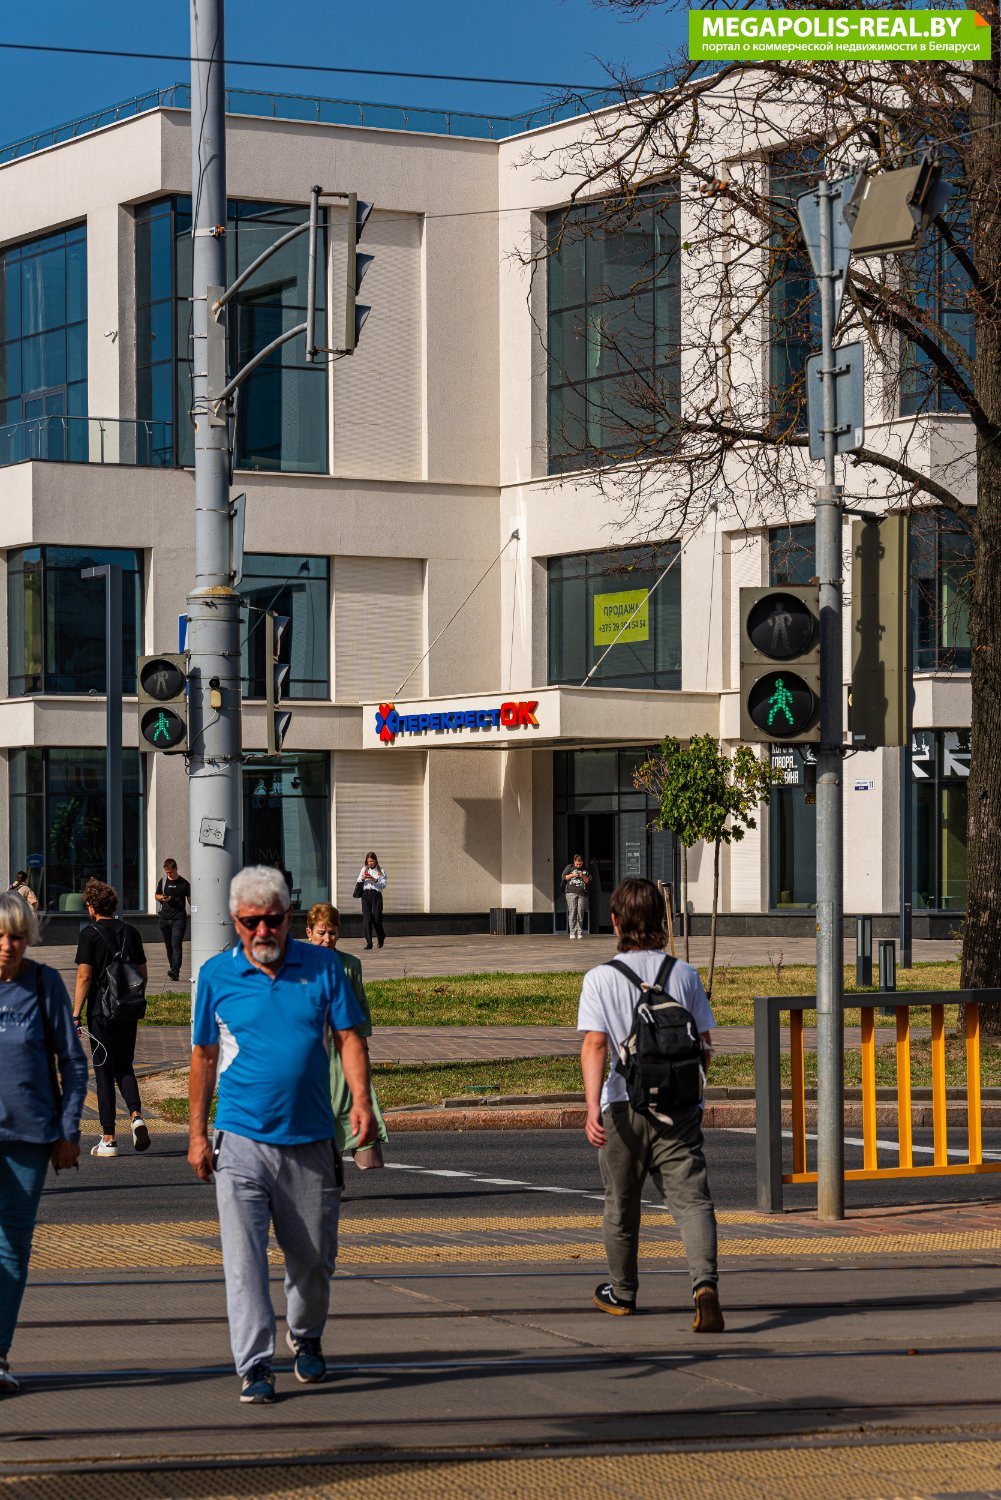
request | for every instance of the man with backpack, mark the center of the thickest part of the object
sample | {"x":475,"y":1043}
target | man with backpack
{"x":111,"y":981}
{"x":645,"y":1118}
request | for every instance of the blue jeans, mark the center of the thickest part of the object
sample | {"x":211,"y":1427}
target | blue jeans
{"x":22,"y":1173}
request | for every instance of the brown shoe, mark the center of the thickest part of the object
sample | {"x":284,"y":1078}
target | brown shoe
{"x":708,"y":1313}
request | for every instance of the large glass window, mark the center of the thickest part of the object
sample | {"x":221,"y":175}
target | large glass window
{"x":282,"y":406}
{"x":940,"y":772}
{"x":936,"y":295}
{"x":794,"y":302}
{"x":792,"y":554}
{"x":614,"y":316}
{"x":941,"y":582}
{"x":299,"y":589}
{"x":792,"y":834}
{"x":55,"y":619}
{"x":43,"y":348}
{"x":58,"y":823}
{"x":286,"y":821}
{"x":598,"y":608}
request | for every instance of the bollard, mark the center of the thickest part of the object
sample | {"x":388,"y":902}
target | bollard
{"x":863,"y":952}
{"x":887,"y":971}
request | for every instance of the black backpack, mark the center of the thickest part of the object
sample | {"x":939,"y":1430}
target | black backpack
{"x":662,"y":1059}
{"x":121,"y":989}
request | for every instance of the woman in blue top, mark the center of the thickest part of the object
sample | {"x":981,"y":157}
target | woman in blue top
{"x":39,"y":1113}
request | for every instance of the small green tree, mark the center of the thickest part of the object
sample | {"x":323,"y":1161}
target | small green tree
{"x":706,"y":795}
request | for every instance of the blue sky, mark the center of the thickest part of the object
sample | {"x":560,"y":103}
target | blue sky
{"x":558,"y":40}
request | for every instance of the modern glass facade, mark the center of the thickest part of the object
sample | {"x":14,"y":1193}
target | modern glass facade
{"x":55,"y":619}
{"x":43,"y":348}
{"x":598,"y":605}
{"x":794,"y":302}
{"x":299,"y":589}
{"x":614,"y":319}
{"x":792,"y":834}
{"x":942,"y":554}
{"x":282,"y":407}
{"x":286,"y":820}
{"x":58,"y":822}
{"x":792,"y":554}
{"x":935,"y":293}
{"x":599,"y":814}
{"x":940,"y":772}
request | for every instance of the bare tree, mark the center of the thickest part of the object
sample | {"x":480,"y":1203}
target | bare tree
{"x":680,"y":386}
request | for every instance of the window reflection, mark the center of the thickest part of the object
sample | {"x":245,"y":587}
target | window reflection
{"x":56,"y":635}
{"x":286,"y":821}
{"x":298,"y":588}
{"x":598,"y":607}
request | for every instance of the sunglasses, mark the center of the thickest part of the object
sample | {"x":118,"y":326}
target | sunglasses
{"x":271,"y":920}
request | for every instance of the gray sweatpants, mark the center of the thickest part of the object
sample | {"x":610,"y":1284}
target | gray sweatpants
{"x":673,"y":1156}
{"x":576,"y":912}
{"x":296,"y":1188}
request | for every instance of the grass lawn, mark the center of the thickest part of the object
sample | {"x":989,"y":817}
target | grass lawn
{"x":551,"y":999}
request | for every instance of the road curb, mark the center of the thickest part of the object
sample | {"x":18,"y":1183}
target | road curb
{"x":724,"y":1115}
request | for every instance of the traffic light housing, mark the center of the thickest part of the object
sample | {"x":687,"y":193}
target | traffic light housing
{"x":880,"y":702}
{"x":162,"y":687}
{"x":355,"y":312}
{"x":780,"y":664}
{"x":277,"y":641}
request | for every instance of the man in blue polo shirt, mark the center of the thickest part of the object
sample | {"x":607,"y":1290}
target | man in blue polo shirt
{"x":263,"y":1018}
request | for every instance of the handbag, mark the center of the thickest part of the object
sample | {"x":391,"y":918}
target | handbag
{"x":359,"y":887}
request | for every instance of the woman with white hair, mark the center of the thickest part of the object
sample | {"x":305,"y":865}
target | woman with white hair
{"x":43,"y":1080}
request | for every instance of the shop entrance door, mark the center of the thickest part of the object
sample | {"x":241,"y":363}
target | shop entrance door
{"x":593,"y":835}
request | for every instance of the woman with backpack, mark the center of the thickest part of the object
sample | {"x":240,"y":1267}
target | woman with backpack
{"x":43,"y":1081}
{"x":111,"y":981}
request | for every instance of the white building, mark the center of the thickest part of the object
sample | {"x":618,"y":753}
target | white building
{"x":398,"y":501}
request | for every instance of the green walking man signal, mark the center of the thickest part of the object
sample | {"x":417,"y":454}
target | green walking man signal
{"x":780,"y":663}
{"x":161,"y":728}
{"x":780,"y":703}
{"x":162,"y":691}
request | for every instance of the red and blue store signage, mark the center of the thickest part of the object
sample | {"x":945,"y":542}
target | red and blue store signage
{"x":512,"y":715}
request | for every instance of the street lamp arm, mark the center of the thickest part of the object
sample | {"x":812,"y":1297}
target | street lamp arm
{"x":259,"y":358}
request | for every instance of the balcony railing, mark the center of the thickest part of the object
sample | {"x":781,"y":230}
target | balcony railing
{"x":88,"y":440}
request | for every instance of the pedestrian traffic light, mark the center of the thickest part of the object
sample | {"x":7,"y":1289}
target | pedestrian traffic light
{"x":880,"y":701}
{"x":780,"y":664}
{"x":357,"y":265}
{"x":162,"y":685}
{"x":277,"y":641}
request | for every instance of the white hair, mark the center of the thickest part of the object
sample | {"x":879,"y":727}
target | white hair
{"x":258,"y":886}
{"x":16,"y":916}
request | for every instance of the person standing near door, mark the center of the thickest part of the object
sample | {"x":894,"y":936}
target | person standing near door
{"x":575,"y":884}
{"x":370,"y":885}
{"x":172,"y":892}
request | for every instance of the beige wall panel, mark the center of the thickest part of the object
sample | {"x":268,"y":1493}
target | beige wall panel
{"x":379,"y":804}
{"x":464,"y":822}
{"x":378,"y":626}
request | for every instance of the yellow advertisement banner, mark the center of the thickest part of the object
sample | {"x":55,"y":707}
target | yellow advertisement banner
{"x":621,"y":617}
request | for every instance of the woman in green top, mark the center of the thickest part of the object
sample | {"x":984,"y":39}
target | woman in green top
{"x":323,"y":928}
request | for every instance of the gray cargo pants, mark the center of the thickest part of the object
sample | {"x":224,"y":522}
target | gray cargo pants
{"x":673,"y":1156}
{"x":297,"y":1189}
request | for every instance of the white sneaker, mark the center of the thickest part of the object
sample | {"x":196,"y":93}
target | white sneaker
{"x":9,"y":1384}
{"x":140,"y":1135}
{"x":104,"y":1148}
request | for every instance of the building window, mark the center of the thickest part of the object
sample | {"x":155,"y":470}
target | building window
{"x":792,"y":554}
{"x":55,"y":619}
{"x":936,"y":295}
{"x":286,"y":821}
{"x":282,"y":406}
{"x":598,"y":609}
{"x":614,"y":318}
{"x":43,"y":353}
{"x":942,"y":554}
{"x":299,"y":589}
{"x":792,"y":834}
{"x":940,"y":772}
{"x":794,"y":300}
{"x":58,"y":823}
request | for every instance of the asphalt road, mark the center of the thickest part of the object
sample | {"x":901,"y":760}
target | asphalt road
{"x":450,"y":1174}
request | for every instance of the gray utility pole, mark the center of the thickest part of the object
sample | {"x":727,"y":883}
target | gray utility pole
{"x":830,"y":765}
{"x":112,"y":575}
{"x":214,"y":606}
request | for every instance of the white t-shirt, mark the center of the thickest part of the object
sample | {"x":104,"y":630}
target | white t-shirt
{"x":608,"y":1000}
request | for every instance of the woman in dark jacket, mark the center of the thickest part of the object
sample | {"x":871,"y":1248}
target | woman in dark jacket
{"x":43,"y":1080}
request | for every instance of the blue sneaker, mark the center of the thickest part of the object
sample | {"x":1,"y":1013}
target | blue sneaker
{"x":309,"y":1367}
{"x":258,"y":1385}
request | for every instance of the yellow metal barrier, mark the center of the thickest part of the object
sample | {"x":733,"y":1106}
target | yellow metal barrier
{"x":905,"y":1167}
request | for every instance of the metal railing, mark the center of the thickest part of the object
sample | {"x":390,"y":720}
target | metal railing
{"x":768,"y":1012}
{"x":88,"y":440}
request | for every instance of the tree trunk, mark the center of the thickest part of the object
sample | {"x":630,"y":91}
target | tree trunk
{"x":684,"y":894}
{"x":712,"y":925}
{"x":981,"y":966}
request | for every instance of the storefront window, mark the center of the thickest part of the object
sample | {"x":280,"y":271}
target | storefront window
{"x":43,"y":348}
{"x":940,"y":768}
{"x":792,"y":834}
{"x":598,"y":609}
{"x":614,"y":304}
{"x":298,"y":588}
{"x":941,"y":583}
{"x":58,"y":823}
{"x":55,"y":619}
{"x":282,"y":410}
{"x":286,"y":821}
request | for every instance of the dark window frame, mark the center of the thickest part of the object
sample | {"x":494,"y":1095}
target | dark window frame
{"x":613,"y":567}
{"x":47,"y":681}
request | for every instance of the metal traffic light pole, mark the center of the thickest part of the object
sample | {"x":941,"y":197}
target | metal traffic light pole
{"x":830,"y":767}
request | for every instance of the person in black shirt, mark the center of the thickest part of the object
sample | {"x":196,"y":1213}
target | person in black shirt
{"x":113,"y":1046}
{"x":171,"y":894}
